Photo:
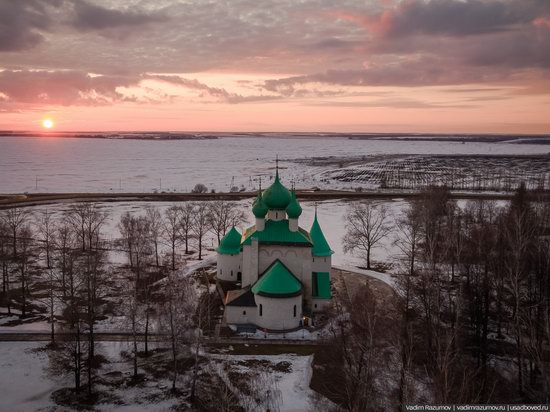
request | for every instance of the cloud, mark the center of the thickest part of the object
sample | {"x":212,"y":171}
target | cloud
{"x":450,"y":17}
{"x":220,"y":94}
{"x":22,"y":23}
{"x":395,"y":103}
{"x":64,"y":88}
{"x":406,"y":73}
{"x":75,"y":88}
{"x":111,"y":22}
{"x":378,"y":43}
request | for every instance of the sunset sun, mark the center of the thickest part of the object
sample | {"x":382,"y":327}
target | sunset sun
{"x":47,"y":123}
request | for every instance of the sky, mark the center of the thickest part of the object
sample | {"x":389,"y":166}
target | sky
{"x":439,"y":66}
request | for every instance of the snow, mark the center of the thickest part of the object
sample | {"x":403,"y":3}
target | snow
{"x":24,"y":385}
{"x":384,"y":277}
{"x":294,"y":385}
{"x":37,"y":164}
{"x":41,"y":326}
{"x":301,"y":334}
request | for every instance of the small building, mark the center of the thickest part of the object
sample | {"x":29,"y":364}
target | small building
{"x":279,"y":272}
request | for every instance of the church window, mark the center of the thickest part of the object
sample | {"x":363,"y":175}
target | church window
{"x":244,"y":312}
{"x":261,"y":309}
{"x":294,"y":310}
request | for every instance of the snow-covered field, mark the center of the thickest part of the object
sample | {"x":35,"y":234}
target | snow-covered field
{"x":39,"y":164}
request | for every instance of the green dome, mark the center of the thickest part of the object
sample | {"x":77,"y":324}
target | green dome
{"x":320,"y":244}
{"x":230,"y":243}
{"x":259,"y":208}
{"x":294,"y":210}
{"x":277,"y":282}
{"x":277,"y":196}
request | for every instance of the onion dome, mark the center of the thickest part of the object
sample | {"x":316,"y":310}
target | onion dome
{"x":230,"y":243}
{"x":277,"y":282}
{"x":293,"y":210}
{"x":320,"y":244}
{"x":259,"y":207}
{"x":277,"y":196}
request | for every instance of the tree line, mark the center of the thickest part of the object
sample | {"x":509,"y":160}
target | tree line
{"x":59,"y":266}
{"x":471,"y":316}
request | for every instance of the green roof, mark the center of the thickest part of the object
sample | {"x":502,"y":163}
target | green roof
{"x":277,"y":232}
{"x":230,"y":243}
{"x":277,"y":196}
{"x":294,"y":210}
{"x":321,"y":285}
{"x":320,"y":244}
{"x":259,"y":209}
{"x":277,"y":282}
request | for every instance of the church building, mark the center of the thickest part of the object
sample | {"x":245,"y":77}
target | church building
{"x":277,"y":273}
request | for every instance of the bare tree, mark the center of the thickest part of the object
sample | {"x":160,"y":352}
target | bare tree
{"x":70,"y":356}
{"x":362,"y":331}
{"x":64,"y":244}
{"x":171,"y":231}
{"x":136,"y":231}
{"x":24,"y":257}
{"x":223,"y":215}
{"x":46,"y":229}
{"x":87,"y":219}
{"x":366,"y":225}
{"x":94,"y":271}
{"x":178,"y":312}
{"x":126,"y":226}
{"x":155,"y":228}
{"x":200,"y":224}
{"x":5,"y":255}
{"x":15,"y":219}
{"x":185,"y":223}
{"x":408,"y":243}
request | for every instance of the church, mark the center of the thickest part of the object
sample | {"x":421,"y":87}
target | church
{"x":276,"y":274}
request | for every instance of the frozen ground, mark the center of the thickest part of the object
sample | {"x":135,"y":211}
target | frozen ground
{"x":38,"y":164}
{"x":296,"y":396}
{"x":26,"y":386}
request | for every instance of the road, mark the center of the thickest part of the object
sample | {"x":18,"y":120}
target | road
{"x":34,"y":199}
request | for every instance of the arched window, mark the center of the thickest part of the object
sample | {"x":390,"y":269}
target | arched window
{"x":261,"y":309}
{"x":221,"y":271}
{"x":231,"y":273}
{"x":294,"y":310}
{"x":244,"y":312}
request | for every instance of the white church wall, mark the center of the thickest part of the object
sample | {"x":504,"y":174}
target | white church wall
{"x":321,"y":264}
{"x":320,"y":305}
{"x":278,"y":313}
{"x":240,"y":315}
{"x":297,"y":259}
{"x":246,"y":265}
{"x":293,"y":225}
{"x":276,"y":214}
{"x":228,"y":267}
